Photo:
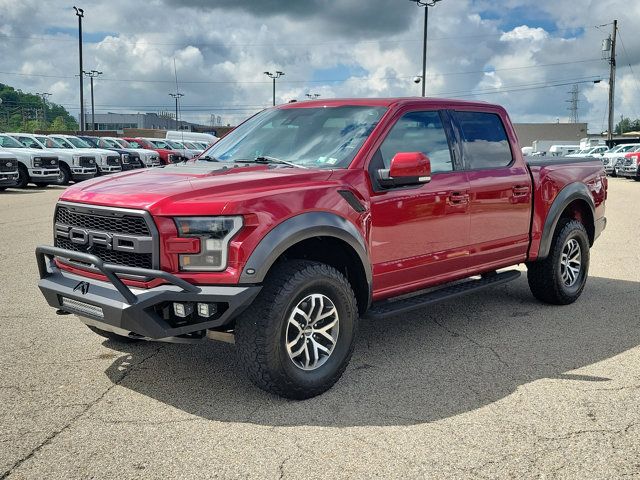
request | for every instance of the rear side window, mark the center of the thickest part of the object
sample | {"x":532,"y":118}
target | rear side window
{"x":484,"y":140}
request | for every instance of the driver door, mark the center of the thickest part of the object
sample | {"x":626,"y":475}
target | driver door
{"x":419,"y":233}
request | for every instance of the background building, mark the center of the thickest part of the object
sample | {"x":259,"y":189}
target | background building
{"x":569,"y":132}
{"x":153,"y":121}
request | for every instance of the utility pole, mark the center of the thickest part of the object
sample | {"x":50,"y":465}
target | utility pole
{"x":273,"y":76}
{"x":80,"y":15}
{"x":44,"y":96}
{"x":612,"y":81}
{"x":573,"y":104}
{"x":92,"y":74}
{"x":426,"y":4}
{"x":177,"y":95}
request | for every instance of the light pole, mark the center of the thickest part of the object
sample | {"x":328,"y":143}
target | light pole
{"x":92,"y":74}
{"x":426,"y":4}
{"x":80,"y":14}
{"x":176,"y":95}
{"x":312,"y":96}
{"x":273,"y":76}
{"x":44,"y":96}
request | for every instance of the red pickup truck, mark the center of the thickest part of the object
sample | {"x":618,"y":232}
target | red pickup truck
{"x":312,"y":215}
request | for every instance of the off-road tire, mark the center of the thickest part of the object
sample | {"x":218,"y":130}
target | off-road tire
{"x":544,"y":276}
{"x":112,"y":336}
{"x":65,"y":175}
{"x":23,"y":177}
{"x":260,"y":332}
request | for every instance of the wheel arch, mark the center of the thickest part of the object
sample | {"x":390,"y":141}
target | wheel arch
{"x":574,"y":202}
{"x":320,"y":236}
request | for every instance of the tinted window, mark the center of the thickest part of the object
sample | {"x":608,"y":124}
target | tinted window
{"x":419,"y":132}
{"x":485,"y":141}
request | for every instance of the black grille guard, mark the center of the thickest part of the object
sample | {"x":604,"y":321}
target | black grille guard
{"x":45,"y":255}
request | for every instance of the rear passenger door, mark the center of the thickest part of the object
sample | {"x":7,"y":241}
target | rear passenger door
{"x":500,"y":191}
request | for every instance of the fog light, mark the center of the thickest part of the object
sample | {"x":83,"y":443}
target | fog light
{"x":207,"y":309}
{"x":182,"y":310}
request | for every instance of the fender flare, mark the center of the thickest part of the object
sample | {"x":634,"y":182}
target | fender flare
{"x":573,"y":191}
{"x":299,"y":228}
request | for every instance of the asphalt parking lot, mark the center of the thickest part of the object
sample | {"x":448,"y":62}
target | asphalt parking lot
{"x":492,"y":385}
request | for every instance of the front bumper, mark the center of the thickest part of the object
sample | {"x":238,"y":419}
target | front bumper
{"x":109,"y":168}
{"x":44,"y":175}
{"x":83,"y":173}
{"x":631,"y":171}
{"x":8,"y":179}
{"x":113,"y":306}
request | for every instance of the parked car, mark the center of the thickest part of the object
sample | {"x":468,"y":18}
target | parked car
{"x":118,"y":160}
{"x":149,"y":158}
{"x":589,"y":152}
{"x":8,"y":170}
{"x":281,"y":242}
{"x":34,"y":165}
{"x":183,"y":149}
{"x":167,"y":155}
{"x":74,"y":165}
{"x":562,"y":150}
{"x":182,"y":135}
{"x":129,"y":158}
{"x":184,"y":154}
{"x":631,"y":165}
{"x":107,"y":161}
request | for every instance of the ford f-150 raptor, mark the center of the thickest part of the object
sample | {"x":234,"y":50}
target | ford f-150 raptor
{"x":312,"y":215}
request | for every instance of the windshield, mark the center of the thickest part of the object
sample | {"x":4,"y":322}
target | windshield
{"x":160,"y":144}
{"x":8,"y":142}
{"x":174,"y":144}
{"x":110,"y":143}
{"x":121,"y":142}
{"x":135,"y":144}
{"x":78,"y":142}
{"x":320,"y":137}
{"x":49,"y":142}
{"x":192,"y":146}
{"x":63,"y":142}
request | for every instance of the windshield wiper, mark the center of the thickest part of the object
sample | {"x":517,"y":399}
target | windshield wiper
{"x":208,"y":158}
{"x":266,"y":159}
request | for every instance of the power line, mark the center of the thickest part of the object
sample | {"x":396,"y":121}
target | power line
{"x":633,"y":75}
{"x":262,"y":82}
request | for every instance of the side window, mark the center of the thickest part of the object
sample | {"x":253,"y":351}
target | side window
{"x":484,"y":140}
{"x":419,"y":132}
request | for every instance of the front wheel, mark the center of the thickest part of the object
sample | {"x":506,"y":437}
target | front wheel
{"x":297,"y":338}
{"x":64,"y":176}
{"x":560,"y":278}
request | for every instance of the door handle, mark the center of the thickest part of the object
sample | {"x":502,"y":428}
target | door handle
{"x":520,"y":190}
{"x":457,"y":198}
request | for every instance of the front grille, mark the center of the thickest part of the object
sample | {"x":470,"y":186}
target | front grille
{"x":49,"y":162}
{"x":113,"y":161}
{"x":8,"y":165}
{"x":129,"y":259}
{"x":101,"y":221}
{"x":128,"y":224}
{"x":87,"y":162}
{"x":628,"y":161}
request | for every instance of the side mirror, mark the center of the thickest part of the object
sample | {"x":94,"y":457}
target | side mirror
{"x":407,"y":168}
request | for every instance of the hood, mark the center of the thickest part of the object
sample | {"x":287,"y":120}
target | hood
{"x":98,"y":151}
{"x":180,"y":189}
{"x":143,"y":151}
{"x":30,"y":151}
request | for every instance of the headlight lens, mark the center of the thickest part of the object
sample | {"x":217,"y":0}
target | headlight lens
{"x":125,"y":158}
{"x":37,"y":162}
{"x":214,"y":233}
{"x":76,"y":160}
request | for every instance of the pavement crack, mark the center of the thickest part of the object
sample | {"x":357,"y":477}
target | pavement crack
{"x":77,"y":417}
{"x":454,"y":333}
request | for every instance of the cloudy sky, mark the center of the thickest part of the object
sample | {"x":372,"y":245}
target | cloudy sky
{"x":524,"y":54}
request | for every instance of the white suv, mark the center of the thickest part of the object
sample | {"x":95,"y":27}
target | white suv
{"x":34,"y":165}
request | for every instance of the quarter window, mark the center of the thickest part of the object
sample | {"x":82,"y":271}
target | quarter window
{"x":419,"y":132}
{"x":484,"y":140}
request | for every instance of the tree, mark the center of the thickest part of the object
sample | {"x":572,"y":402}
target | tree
{"x":58,"y":124}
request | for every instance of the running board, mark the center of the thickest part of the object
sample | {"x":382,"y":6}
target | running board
{"x":391,"y":308}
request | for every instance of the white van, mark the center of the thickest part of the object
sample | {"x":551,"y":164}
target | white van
{"x":191,"y":136}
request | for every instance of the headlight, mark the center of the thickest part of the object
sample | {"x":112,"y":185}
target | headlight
{"x":125,"y":158}
{"x":76,"y":160}
{"x":37,"y":162}
{"x":214,"y":233}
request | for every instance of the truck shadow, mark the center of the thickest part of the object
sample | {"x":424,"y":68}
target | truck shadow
{"x":452,"y":358}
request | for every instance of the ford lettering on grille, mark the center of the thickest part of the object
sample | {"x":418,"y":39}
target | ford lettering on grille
{"x":87,"y":239}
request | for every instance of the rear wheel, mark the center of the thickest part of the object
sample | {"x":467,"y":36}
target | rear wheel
{"x":297,"y":337}
{"x":112,"y":336}
{"x":560,"y":278}
{"x":23,"y":176}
